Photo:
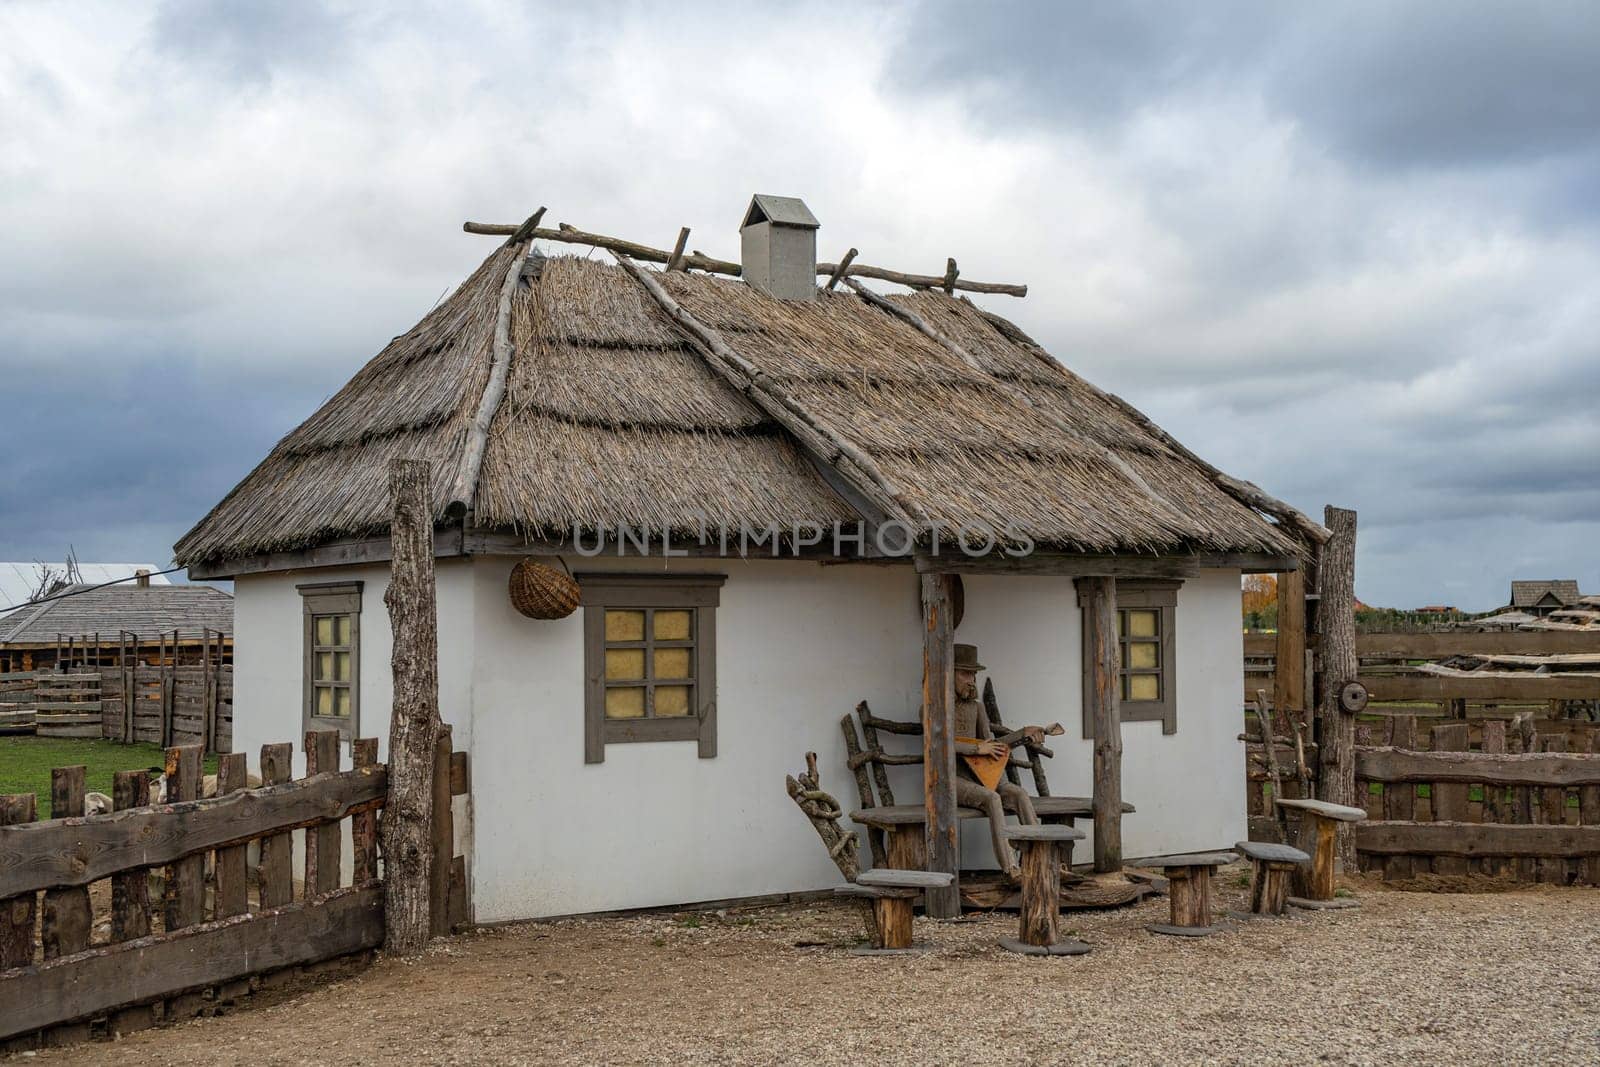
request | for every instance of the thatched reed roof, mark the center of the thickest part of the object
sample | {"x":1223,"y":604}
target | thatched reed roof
{"x":611,"y":414}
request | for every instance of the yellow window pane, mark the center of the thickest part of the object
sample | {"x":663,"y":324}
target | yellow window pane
{"x":324,"y":667}
{"x":624,"y":664}
{"x":672,"y":625}
{"x":672,"y":663}
{"x":324,"y":629}
{"x":672,"y":701}
{"x":341,"y":703}
{"x":625,"y":703}
{"x":1142,"y":654}
{"x":624,"y":626}
{"x":341,"y":630}
{"x":324,"y":700}
{"x":1143,"y":687}
{"x":341,"y":666}
{"x":1142,"y":623}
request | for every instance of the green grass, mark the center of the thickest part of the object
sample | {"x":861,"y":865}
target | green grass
{"x":26,"y":762}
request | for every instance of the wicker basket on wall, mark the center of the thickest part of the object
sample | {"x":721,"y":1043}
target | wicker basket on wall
{"x":539,"y":591}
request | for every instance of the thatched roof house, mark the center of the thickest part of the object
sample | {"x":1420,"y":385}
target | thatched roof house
{"x":1542,"y":596}
{"x":558,"y":398}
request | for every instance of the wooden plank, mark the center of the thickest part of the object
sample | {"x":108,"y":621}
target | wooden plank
{"x":1539,"y":769}
{"x":275,"y":869}
{"x":73,"y":852}
{"x":103,"y":979}
{"x":364,"y":825}
{"x":1532,"y":687}
{"x":1454,"y":643}
{"x":460,"y":774}
{"x":324,"y":843}
{"x":1476,"y":839}
{"x":67,"y":918}
{"x":232,"y":895}
{"x":1495,"y":800}
{"x":1399,"y":799}
{"x":1553,"y":812}
{"x":442,"y":833}
{"x":1289,"y":682}
{"x":938,"y":745}
{"x":17,"y":913}
{"x":183,"y":903}
{"x":1449,"y":797}
{"x":1589,"y":815}
{"x":130,"y":890}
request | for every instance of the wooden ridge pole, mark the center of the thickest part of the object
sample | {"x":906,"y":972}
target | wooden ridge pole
{"x":407,"y":822}
{"x":939,"y":746}
{"x":700,"y":261}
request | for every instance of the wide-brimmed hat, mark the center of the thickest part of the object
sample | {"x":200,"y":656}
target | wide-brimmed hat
{"x":967,"y":658}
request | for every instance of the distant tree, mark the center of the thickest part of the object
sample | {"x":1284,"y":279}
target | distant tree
{"x":1260,"y":601}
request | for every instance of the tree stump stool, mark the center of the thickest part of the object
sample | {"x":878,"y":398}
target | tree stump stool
{"x":1038,"y":921}
{"x":1269,"y":884}
{"x":890,"y":894}
{"x":1319,"y":833}
{"x":1189,"y":893}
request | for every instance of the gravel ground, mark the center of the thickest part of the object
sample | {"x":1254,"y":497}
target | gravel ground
{"x":1505,"y":978}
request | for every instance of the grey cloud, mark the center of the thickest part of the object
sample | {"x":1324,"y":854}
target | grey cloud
{"x":245,"y":42}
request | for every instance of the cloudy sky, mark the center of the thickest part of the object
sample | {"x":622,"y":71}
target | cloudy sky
{"x":1349,"y":251}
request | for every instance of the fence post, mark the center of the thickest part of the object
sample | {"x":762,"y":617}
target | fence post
{"x":130,"y":890}
{"x":1336,"y":575}
{"x":364,"y":827}
{"x":323,"y":840}
{"x":17,"y":913}
{"x":184,"y":901}
{"x":232,"y":894}
{"x":414,"y":718}
{"x":67,"y":918}
{"x":275,"y":869}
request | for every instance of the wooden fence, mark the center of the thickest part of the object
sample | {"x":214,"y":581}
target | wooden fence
{"x":89,"y":944}
{"x":1390,"y":673}
{"x":165,"y":705}
{"x":1518,"y":800}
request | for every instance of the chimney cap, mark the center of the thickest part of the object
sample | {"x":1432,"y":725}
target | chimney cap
{"x":780,"y":211}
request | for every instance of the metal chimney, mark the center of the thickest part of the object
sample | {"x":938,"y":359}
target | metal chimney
{"x":779,"y":236}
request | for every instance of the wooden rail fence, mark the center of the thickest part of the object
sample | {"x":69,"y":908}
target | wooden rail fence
{"x":94,"y":939}
{"x":168,"y":704}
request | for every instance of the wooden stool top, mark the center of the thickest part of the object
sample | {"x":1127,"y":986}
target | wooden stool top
{"x":1195,"y":859}
{"x":1337,"y":812}
{"x":891,"y":878}
{"x":877,"y":892}
{"x":1043,"y":833}
{"x":1271,"y":852}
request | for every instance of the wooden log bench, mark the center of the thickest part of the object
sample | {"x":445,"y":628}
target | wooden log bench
{"x":1038,"y":923}
{"x":1319,"y":829}
{"x":1189,"y":893}
{"x":903,"y":824}
{"x":890,"y":894}
{"x":1269,"y":883}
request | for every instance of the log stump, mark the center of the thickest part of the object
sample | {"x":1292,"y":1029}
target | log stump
{"x":1273,"y":865}
{"x":1189,"y":893}
{"x":1038,"y":922}
{"x":1319,"y":838}
{"x":889,"y":895}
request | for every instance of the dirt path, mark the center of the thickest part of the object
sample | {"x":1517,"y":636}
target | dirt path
{"x":1507,"y":978}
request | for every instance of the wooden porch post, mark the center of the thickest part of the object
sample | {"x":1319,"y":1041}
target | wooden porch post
{"x":1103,"y":708}
{"x":1337,"y":664}
{"x":939,"y":745}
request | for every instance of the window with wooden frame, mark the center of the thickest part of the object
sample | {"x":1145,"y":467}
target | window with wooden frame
{"x":1147,"y":680}
{"x":332,"y":620}
{"x":650,"y":659}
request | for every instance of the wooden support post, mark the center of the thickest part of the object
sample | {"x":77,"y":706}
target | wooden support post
{"x":414,"y":719}
{"x":1102,"y":708}
{"x":443,"y":836}
{"x":1494,"y":796}
{"x":1289,"y":679}
{"x":1450,"y":799}
{"x":130,"y":890}
{"x":1336,"y":619}
{"x":185,"y":898}
{"x":1553,"y":812}
{"x":67,"y":918}
{"x":323,"y":842}
{"x":364,"y":827}
{"x":891,"y":922}
{"x":17,"y":913}
{"x":939,"y":746}
{"x":1400,"y":798}
{"x":276,"y":869}
{"x":232,"y":894}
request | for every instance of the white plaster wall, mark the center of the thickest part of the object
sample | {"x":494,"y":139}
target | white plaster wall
{"x":797,"y":646}
{"x":1186,"y":786}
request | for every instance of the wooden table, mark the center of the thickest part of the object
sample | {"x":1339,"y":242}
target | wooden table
{"x":1319,"y":834}
{"x":1269,"y":884}
{"x":1189,"y":893}
{"x":890,"y":894}
{"x":1038,"y":922}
